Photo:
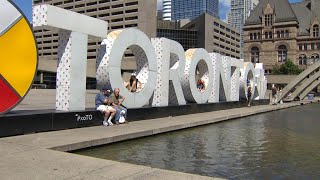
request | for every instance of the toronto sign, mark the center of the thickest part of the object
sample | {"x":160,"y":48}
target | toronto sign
{"x":166,"y":71}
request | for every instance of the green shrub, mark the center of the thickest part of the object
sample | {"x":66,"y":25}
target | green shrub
{"x":288,"y":68}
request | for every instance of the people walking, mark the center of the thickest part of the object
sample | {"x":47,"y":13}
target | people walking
{"x":249,"y":94}
{"x":274,"y":95}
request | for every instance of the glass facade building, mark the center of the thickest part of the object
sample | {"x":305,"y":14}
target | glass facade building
{"x":166,"y":8}
{"x":239,"y":12}
{"x":171,"y":29}
{"x":187,"y":38}
{"x":182,"y":9}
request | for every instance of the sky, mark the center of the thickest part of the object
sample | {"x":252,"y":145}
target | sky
{"x":25,"y":6}
{"x":224,"y":5}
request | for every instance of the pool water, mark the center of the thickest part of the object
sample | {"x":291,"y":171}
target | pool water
{"x":282,"y":144}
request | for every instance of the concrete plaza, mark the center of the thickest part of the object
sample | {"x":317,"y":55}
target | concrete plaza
{"x":40,"y":99}
{"x":44,"y":155}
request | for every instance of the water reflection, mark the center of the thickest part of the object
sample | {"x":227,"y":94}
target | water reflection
{"x":277,"y":145}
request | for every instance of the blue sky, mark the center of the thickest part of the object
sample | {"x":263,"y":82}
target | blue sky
{"x":25,"y":6}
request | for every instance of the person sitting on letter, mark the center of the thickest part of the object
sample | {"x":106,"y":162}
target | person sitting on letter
{"x":134,"y":84}
{"x":201,"y":85}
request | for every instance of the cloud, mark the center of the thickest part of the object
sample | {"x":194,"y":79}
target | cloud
{"x":225,"y":2}
{"x":159,"y":4}
{"x":224,"y":8}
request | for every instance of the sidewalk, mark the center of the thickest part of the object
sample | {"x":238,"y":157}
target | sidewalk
{"x":41,"y":156}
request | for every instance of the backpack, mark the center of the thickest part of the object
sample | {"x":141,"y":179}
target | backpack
{"x":122,"y":119}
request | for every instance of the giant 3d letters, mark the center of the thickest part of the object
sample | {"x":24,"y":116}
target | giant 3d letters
{"x":166,"y":71}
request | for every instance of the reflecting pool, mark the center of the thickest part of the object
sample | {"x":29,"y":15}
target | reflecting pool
{"x":277,"y":145}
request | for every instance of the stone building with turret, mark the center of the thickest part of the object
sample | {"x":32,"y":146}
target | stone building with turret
{"x":277,"y":31}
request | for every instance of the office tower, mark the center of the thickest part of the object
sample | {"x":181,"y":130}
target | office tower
{"x":216,"y":36}
{"x":206,"y":32}
{"x":249,"y":6}
{"x":239,"y":12}
{"x":228,"y":18}
{"x":166,"y":10}
{"x":191,"y":9}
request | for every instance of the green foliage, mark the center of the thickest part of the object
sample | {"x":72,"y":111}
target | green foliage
{"x":288,"y":68}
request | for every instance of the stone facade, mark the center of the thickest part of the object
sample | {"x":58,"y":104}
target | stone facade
{"x":277,"y":31}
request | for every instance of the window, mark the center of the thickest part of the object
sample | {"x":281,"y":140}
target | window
{"x":318,"y":45}
{"x":314,"y":58}
{"x":259,"y":35}
{"x":254,"y":36}
{"x":255,"y":54}
{"x":131,"y":25}
{"x":316,"y":30}
{"x":55,"y":4}
{"x":305,"y":46}
{"x":69,"y":1}
{"x":282,"y":53}
{"x":132,"y":11}
{"x":302,"y":59}
{"x":251,"y":37}
{"x":268,"y":35}
{"x":103,"y":1}
{"x":117,"y":27}
{"x":117,"y":6}
{"x":300,"y":47}
{"x":79,"y":5}
{"x":69,"y":7}
{"x":132,"y":3}
{"x":131,"y":18}
{"x":117,"y":20}
{"x":278,"y":34}
{"x":92,"y":3}
{"x":103,"y":8}
{"x":268,"y":20}
{"x":282,"y":34}
{"x":312,"y":46}
{"x":287,"y":34}
{"x":116,"y":13}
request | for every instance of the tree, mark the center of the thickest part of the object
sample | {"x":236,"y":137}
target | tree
{"x":288,"y":68}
